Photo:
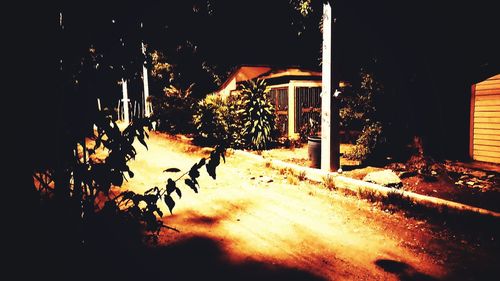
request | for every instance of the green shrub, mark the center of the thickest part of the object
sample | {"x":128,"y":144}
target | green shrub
{"x":366,"y":143}
{"x":258,"y":115}
{"x":219,"y":120}
{"x":210,"y":121}
{"x":234,"y":119}
{"x":242,"y":120}
{"x":358,"y":112}
{"x":357,"y":101}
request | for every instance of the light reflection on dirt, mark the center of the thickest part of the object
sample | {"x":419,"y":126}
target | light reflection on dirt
{"x":324,"y":233}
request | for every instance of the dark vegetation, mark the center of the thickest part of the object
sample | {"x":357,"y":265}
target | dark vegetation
{"x":173,"y":112}
{"x":79,"y":216}
{"x":78,"y":224}
{"x":360,"y":111}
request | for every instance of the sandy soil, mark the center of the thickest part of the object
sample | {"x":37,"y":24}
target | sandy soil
{"x":251,"y":223}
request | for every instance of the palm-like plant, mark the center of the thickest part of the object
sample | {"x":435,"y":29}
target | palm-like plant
{"x":259,"y":119}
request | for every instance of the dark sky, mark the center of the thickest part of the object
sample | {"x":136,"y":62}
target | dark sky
{"x":405,"y":35}
{"x":428,"y":52}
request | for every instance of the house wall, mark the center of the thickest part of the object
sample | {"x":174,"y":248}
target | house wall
{"x":231,"y":86}
{"x":485,"y":120}
{"x":292,"y":111}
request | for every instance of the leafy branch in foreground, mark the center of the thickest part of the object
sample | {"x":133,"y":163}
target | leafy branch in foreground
{"x":144,"y":207}
{"x":91,"y":173}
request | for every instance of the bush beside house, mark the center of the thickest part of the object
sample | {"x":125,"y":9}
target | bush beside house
{"x":245,"y":119}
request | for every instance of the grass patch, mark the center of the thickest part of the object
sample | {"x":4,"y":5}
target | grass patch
{"x":328,"y":182}
{"x":302,"y":176}
{"x":291,"y":179}
{"x":284,"y":171}
{"x":292,"y":176}
{"x":370,"y":195}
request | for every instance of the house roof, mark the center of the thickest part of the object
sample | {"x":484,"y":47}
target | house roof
{"x":291,"y":71}
{"x":248,"y":72}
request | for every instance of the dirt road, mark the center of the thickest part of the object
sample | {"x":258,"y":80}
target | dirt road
{"x":252,"y":224}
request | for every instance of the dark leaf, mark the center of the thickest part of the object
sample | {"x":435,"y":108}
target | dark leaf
{"x":201,"y":163}
{"x":137,"y":198}
{"x":128,"y":195}
{"x":160,"y":213}
{"x":170,"y":203}
{"x":211,"y":169}
{"x":171,"y":170}
{"x":223,"y":156}
{"x":141,"y":140}
{"x":170,"y":186}
{"x":150,"y":198}
{"x":191,"y":184}
{"x":130,"y":174}
{"x":196,"y":183}
{"x":178,"y":191}
{"x":193,"y":172}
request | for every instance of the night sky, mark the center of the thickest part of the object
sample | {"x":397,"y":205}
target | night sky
{"x":419,"y":38}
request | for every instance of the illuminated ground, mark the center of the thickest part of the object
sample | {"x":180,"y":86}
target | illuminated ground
{"x":253,"y":223}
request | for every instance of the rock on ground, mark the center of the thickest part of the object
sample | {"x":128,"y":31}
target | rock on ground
{"x":386,"y":178}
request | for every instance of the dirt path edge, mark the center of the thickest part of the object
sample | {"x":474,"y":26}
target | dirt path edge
{"x":377,"y":191}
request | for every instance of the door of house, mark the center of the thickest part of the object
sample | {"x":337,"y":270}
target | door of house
{"x":279,"y":97}
{"x":307,"y":106}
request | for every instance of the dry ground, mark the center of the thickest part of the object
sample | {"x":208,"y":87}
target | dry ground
{"x":255,"y":223}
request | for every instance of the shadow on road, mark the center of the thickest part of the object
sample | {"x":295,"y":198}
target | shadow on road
{"x":201,"y":258}
{"x":404,"y":271}
{"x":114,"y":251}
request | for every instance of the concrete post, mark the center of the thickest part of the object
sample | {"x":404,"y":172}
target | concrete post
{"x":145,"y":81}
{"x":125,"y":101}
{"x":330,"y":146}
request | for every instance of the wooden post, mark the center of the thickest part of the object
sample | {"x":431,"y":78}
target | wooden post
{"x":147,"y":106}
{"x":330,"y":146}
{"x":125,"y":101}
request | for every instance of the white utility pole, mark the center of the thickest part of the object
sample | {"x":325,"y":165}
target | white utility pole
{"x":147,"y":104}
{"x":330,"y":146}
{"x":125,"y":101}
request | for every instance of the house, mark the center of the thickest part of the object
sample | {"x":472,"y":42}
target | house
{"x":484,"y":144}
{"x":295,"y":93}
